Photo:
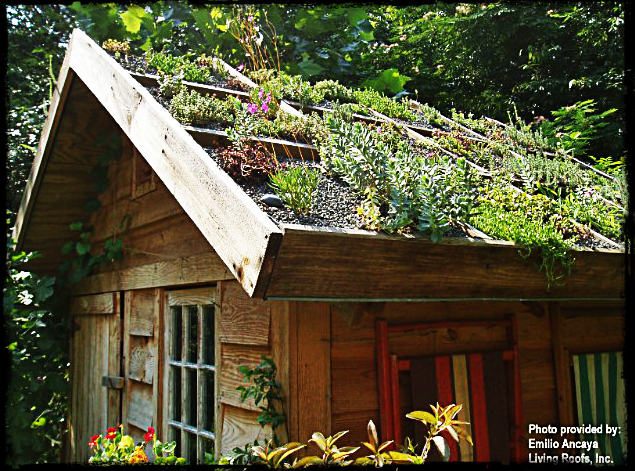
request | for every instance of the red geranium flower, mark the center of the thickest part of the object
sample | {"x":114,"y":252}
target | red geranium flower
{"x":112,"y":433}
{"x":148,"y":436}
{"x":93,"y":440}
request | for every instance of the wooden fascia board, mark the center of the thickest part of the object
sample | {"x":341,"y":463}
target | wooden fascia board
{"x":229,"y":219}
{"x":47,"y":137}
{"x":318,"y":264}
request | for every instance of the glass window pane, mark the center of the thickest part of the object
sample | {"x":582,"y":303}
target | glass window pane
{"x":177,"y":334}
{"x":175,"y":389}
{"x":207,"y":446}
{"x":190,"y":438}
{"x":208,"y":332}
{"x":192,"y":397}
{"x":192,"y":334}
{"x":175,"y":436}
{"x":208,"y":401}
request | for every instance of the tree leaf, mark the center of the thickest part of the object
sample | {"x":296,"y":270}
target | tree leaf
{"x":308,"y":67}
{"x":82,"y":247}
{"x":132,"y":18}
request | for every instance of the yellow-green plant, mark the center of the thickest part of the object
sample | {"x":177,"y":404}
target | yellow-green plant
{"x":275,"y":458}
{"x":296,"y":187}
{"x":376,"y":458}
{"x":442,"y":419}
{"x":331,"y":454}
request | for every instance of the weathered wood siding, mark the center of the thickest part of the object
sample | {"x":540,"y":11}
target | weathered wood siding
{"x":243,"y":333}
{"x":94,"y":354}
{"x":162,"y":246}
{"x":544,"y":353}
{"x":141,"y":361}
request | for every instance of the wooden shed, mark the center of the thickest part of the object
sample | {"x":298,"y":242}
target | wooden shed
{"x":361,"y":325}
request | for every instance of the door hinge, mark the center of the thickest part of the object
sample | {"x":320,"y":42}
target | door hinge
{"x":114,"y":382}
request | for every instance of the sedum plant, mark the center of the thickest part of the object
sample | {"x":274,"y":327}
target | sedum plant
{"x":296,"y":186}
{"x":401,"y":187}
{"x":533,"y":221}
{"x":190,"y":107}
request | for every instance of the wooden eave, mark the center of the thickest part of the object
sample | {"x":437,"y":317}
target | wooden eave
{"x":272,"y":262}
{"x":355,"y":265}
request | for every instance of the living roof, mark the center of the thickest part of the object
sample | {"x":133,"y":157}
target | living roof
{"x":272,"y":259}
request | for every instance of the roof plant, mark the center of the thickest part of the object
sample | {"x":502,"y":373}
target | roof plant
{"x":511,"y":181}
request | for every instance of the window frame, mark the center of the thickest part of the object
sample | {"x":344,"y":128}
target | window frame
{"x":180,"y":430}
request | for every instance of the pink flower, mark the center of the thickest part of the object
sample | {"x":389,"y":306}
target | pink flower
{"x":268,"y":99}
{"x":240,"y":67}
{"x":261,"y":93}
{"x":252,"y":108}
{"x":250,"y":18}
{"x":264,"y":107}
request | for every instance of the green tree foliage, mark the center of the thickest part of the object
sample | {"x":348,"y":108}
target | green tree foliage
{"x":37,"y":37}
{"x":484,"y":58}
{"x":36,"y":390}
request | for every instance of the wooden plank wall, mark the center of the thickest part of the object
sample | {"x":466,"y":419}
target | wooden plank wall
{"x":141,"y":361}
{"x":583,"y":327}
{"x":243,"y":333}
{"x":95,"y":353}
{"x":309,"y":364}
{"x":297,"y":337}
{"x":162,"y":246}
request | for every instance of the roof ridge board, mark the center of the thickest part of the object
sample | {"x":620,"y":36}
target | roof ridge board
{"x":230,"y":220}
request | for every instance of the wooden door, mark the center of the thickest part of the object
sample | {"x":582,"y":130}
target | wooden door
{"x":95,"y":358}
{"x":140,"y":359}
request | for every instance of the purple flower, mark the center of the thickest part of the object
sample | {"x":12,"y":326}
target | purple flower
{"x":261,"y":93}
{"x":250,"y":18}
{"x":240,"y":67}
{"x":379,"y":130}
{"x":268,"y":99}
{"x":264,"y":107}
{"x":252,"y":108}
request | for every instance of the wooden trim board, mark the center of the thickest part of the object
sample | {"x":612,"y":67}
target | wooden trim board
{"x":315,"y":264}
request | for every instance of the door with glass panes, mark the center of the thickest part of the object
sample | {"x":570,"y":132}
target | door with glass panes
{"x":189,"y":388}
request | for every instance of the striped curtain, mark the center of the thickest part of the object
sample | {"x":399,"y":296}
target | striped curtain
{"x":479,"y":381}
{"x":599,"y":393}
